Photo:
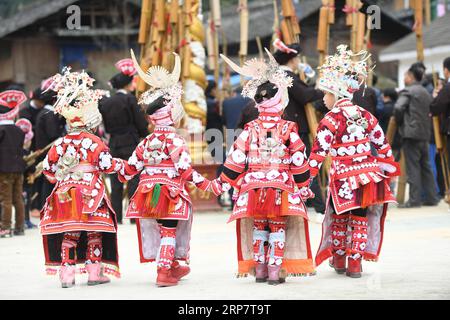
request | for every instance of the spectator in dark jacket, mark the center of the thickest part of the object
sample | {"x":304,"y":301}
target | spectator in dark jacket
{"x":12,"y":165}
{"x":49,"y":127}
{"x":441,"y":107}
{"x":126,"y":123}
{"x":441,"y":102}
{"x":412,"y":115}
{"x":366,"y":98}
{"x":213,"y":118}
{"x":249,"y":113}
{"x":30,"y":112}
{"x":232,"y":108}
{"x":390,"y":97}
{"x":300,"y":94}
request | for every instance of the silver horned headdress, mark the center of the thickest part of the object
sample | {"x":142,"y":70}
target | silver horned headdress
{"x":260,"y":72}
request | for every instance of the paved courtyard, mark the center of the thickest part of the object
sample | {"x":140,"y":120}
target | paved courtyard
{"x":415,"y":264}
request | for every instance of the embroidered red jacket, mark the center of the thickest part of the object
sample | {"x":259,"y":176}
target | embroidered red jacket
{"x":347,"y":133}
{"x":268,"y":154}
{"x":163,"y":157}
{"x":76,"y":161}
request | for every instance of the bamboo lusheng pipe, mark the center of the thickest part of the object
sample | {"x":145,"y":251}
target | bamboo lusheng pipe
{"x":427,"y":12}
{"x":243,"y":47}
{"x":287,"y":39}
{"x":401,"y":180}
{"x":260,"y":48}
{"x":348,"y":17}
{"x":173,"y":11}
{"x":210,"y":44}
{"x":145,"y":21}
{"x":436,"y":126}
{"x":354,"y":25}
{"x":276,"y":23}
{"x":331,"y":11}
{"x":418,"y":23}
{"x":184,"y":35}
{"x":391,"y":129}
{"x":322,"y":32}
{"x":160,"y":14}
{"x":296,"y":27}
{"x":216,"y":22}
{"x":360,"y":31}
{"x":215,"y":9}
{"x":287,"y":8}
{"x":290,"y":28}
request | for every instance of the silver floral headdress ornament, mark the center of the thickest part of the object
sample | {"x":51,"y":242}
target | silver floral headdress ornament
{"x":76,"y":100}
{"x":163,"y":84}
{"x":260,"y":72}
{"x":344,"y":72}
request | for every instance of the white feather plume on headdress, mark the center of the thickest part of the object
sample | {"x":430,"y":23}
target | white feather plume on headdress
{"x":261,"y":71}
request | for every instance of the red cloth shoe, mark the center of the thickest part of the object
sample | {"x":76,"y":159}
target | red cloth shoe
{"x":339,"y":263}
{"x":165,"y":278}
{"x":354,"y":268}
{"x":179,"y":271}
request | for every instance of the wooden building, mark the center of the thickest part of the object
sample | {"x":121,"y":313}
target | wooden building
{"x":35,"y":41}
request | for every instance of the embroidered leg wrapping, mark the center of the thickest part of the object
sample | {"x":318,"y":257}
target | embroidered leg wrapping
{"x":166,"y":253}
{"x":68,"y":248}
{"x":260,"y":238}
{"x":277,"y":238}
{"x":338,"y":234}
{"x":358,"y":236}
{"x":94,"y":248}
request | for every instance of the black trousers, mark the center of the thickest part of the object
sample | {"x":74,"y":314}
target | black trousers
{"x":168,"y":223}
{"x":317,"y":202}
{"x":117,"y":193}
{"x":360,"y":212}
{"x":36,"y":193}
{"x":418,"y":170}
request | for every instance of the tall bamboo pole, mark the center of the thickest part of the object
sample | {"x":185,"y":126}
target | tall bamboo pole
{"x":323,"y":31}
{"x":418,"y":27}
{"x":243,"y":46}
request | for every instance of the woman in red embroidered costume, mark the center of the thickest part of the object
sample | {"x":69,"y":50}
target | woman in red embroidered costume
{"x":359,"y":181}
{"x":161,"y":204}
{"x":268,"y":167}
{"x":77,"y":221}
